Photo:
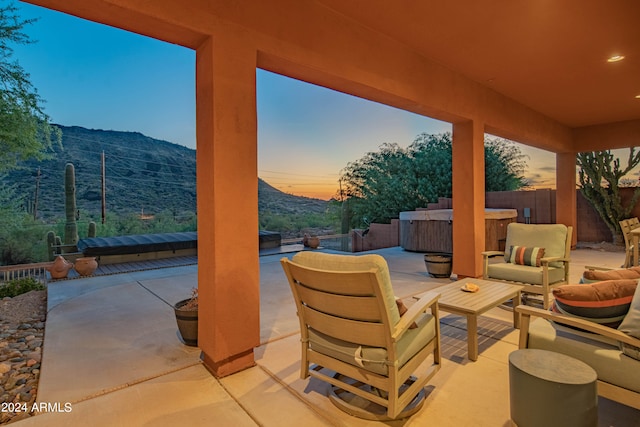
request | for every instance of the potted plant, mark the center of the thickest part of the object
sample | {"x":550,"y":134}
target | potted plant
{"x":186,"y":312}
{"x":86,"y":266}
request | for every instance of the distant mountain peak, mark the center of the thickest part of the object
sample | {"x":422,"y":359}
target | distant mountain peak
{"x":142,"y":173}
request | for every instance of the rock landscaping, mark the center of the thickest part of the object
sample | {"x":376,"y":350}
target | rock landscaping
{"x":22,"y":325}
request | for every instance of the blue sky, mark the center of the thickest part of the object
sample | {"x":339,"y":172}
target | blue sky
{"x":100,"y":77}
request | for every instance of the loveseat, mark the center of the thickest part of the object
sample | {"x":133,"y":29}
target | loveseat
{"x":598,"y":323}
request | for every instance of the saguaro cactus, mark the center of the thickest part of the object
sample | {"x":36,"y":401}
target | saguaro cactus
{"x":51,"y":240}
{"x":70,"y":227}
{"x":92,"y":229}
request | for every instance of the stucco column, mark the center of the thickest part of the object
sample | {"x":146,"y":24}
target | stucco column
{"x":227,"y":189}
{"x":468,"y":198}
{"x":566,"y":202}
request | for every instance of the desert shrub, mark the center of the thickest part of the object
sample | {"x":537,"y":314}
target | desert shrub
{"x":291,"y":225}
{"x":20,"y":286}
{"x":23,"y":246}
{"x":20,"y":236}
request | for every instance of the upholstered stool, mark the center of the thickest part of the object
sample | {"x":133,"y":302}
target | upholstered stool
{"x":551,"y":389}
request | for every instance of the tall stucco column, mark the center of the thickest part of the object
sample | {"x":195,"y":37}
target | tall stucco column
{"x":227,"y":191}
{"x":566,"y":202}
{"x":468,"y":198}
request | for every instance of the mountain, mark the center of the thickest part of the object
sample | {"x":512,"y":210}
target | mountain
{"x":272,"y":200}
{"x":143,"y":174}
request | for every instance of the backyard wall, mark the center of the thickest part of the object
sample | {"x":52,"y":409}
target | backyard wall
{"x":378,"y":236}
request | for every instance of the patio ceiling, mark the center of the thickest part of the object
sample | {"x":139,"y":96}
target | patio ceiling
{"x":550,"y":56}
{"x":547,"y":56}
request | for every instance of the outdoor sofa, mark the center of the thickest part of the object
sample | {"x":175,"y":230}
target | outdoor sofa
{"x":597,"y":323}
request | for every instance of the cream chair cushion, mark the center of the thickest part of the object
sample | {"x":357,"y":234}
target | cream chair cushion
{"x":602,"y":354}
{"x":331,"y":262}
{"x":523,"y":273}
{"x":551,"y":237}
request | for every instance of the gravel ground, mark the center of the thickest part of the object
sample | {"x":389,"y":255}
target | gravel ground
{"x":22,"y":321}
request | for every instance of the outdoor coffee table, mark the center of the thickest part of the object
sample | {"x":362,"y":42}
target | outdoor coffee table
{"x":472,"y":304}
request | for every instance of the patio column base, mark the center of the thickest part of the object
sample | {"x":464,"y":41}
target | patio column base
{"x":230,"y":365}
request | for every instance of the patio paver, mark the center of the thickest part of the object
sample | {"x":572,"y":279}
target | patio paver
{"x":95,"y":357}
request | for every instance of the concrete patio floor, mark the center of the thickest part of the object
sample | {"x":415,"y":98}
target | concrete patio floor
{"x":112,"y":351}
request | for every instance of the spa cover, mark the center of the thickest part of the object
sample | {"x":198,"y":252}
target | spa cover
{"x":447,"y":214}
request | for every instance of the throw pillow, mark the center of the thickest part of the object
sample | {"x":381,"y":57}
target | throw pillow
{"x":623,"y":273}
{"x":526,"y":256}
{"x":605,"y":302}
{"x":631,"y":326}
{"x":403,"y":309}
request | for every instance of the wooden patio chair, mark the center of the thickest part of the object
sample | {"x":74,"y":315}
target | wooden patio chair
{"x":523,"y":263}
{"x":626,"y":225}
{"x":355,"y":339}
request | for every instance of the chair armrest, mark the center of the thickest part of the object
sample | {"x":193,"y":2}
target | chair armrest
{"x":491,"y":254}
{"x":486,"y":255}
{"x":593,"y":267}
{"x":527,"y":311}
{"x":430,"y":299}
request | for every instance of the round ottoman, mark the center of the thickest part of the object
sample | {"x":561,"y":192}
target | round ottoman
{"x":551,"y":389}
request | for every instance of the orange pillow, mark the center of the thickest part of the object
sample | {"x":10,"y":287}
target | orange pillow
{"x":625,"y":273}
{"x":606,"y":303}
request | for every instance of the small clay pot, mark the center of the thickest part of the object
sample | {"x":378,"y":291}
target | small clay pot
{"x":311,"y":241}
{"x":86,"y":266}
{"x":60,"y":268}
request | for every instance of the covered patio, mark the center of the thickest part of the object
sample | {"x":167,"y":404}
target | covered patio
{"x":112,"y":351}
{"x":534,"y":72}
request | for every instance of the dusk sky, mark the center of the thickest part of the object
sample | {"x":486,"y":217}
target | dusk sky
{"x":100,"y":77}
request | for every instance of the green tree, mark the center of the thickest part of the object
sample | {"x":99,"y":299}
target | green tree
{"x":600,"y":179}
{"x":25,"y":133}
{"x":25,"y":130}
{"x":21,"y":239}
{"x":504,"y":165}
{"x":384,"y":183}
{"x":377,"y":184}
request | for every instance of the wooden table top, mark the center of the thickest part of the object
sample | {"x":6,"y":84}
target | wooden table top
{"x":489,"y":295}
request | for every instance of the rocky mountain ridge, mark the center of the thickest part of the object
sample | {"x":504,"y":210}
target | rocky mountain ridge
{"x":142,"y":175}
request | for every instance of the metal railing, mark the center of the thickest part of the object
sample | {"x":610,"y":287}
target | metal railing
{"x":37,"y":271}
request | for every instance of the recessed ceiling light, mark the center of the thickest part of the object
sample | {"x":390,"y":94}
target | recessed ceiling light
{"x":637,"y":96}
{"x":615,"y":58}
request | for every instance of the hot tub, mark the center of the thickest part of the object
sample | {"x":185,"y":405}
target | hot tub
{"x":432,"y":230}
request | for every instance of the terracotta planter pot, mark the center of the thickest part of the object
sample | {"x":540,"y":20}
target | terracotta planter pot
{"x":86,"y":266}
{"x":60,"y":268}
{"x":187,"y":321}
{"x":311,"y":241}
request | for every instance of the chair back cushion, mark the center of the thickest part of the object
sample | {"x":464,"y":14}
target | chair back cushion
{"x":631,"y":326}
{"x":551,"y":237}
{"x":333,"y":262}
